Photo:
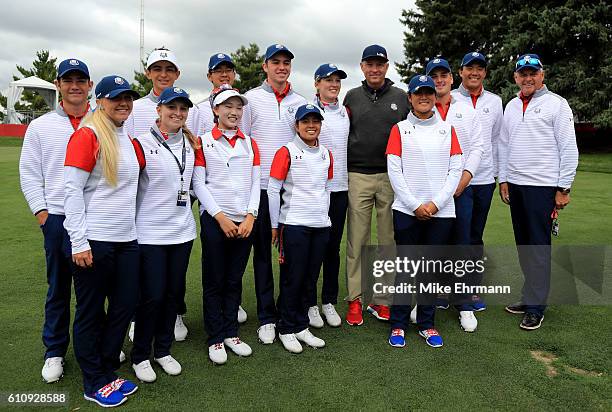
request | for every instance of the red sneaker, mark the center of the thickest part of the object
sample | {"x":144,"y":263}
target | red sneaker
{"x":354,"y":316}
{"x":380,"y":312}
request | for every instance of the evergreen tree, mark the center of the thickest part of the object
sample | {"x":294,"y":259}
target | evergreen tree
{"x":573,"y":38}
{"x":248,"y":63}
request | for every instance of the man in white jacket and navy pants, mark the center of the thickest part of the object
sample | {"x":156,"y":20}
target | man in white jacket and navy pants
{"x":538,"y":157}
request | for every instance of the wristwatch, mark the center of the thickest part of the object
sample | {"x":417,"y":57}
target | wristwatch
{"x":253,"y":212}
{"x":564,"y":190}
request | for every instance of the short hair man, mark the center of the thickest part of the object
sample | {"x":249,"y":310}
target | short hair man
{"x":163,"y":70}
{"x":269,"y":119}
{"x":41,"y":171}
{"x":538,"y":157}
{"x":464,"y":118}
{"x":221,"y":70}
{"x":489,"y":107}
{"x":374,"y":108}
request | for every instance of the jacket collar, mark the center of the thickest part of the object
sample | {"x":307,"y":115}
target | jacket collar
{"x":217,"y":133}
{"x":422,"y":122}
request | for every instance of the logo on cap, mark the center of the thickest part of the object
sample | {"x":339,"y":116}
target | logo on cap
{"x":380,"y":54}
{"x":475,"y":54}
{"x":73,"y":62}
{"x":119,"y":80}
{"x":279,"y":46}
{"x":423,"y":78}
{"x":178,"y":90}
{"x":527,"y":59}
{"x":309,"y":106}
{"x":436,"y":60}
{"x":220,"y":55}
{"x":163,"y":54}
{"x":333,"y":66}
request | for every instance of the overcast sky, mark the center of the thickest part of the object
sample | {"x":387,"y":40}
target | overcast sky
{"x":105,"y":34}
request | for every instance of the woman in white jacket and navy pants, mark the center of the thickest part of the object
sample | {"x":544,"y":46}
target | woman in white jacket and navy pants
{"x":166,"y":229}
{"x":424,"y":163}
{"x":101,"y":179}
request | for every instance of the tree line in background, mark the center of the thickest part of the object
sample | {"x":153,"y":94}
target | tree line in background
{"x":573,"y":38}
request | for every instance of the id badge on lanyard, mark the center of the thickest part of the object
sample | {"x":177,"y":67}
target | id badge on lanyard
{"x":182,"y":198}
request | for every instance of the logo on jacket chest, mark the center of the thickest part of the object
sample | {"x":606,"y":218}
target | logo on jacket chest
{"x":485,"y":110}
{"x":298,"y":157}
{"x":154,"y":151}
{"x":210,"y":145}
{"x":393,"y":106}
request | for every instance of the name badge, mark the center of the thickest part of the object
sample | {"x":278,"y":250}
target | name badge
{"x":182,"y":198}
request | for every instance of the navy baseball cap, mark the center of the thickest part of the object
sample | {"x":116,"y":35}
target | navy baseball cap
{"x":374,"y":51}
{"x":326,"y":70}
{"x":473,"y":57}
{"x":305,"y":110}
{"x":436,"y":63}
{"x":277,"y":48}
{"x":420,"y":81}
{"x":112,"y":86}
{"x":69,"y":65}
{"x":528,"y":61}
{"x":217,"y":59}
{"x":172,"y":93}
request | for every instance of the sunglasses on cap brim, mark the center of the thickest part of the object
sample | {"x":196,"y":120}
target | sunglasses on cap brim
{"x":531,"y":61}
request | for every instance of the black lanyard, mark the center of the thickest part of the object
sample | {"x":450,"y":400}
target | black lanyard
{"x":162,"y":141}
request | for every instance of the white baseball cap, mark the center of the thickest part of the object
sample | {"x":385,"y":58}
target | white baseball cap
{"x":162,"y":54}
{"x":226,"y":94}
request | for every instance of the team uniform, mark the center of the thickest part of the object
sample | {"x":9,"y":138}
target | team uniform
{"x":537,"y":154}
{"x":466,"y":123}
{"x":166,"y":230}
{"x":268,"y":119}
{"x":424,"y":160}
{"x":206,"y":117}
{"x":334,"y":136}
{"x":304,"y":174}
{"x":41,"y":173}
{"x":490,"y":111}
{"x":93,"y":223}
{"x":228,"y":181}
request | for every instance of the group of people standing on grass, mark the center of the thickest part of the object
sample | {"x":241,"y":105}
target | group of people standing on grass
{"x":112,"y":189}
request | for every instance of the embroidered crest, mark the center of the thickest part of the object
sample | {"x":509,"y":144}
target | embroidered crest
{"x":119,"y":80}
{"x":309,"y":106}
{"x":436,"y":60}
{"x":458,"y":115}
{"x":220,"y":55}
{"x":279,"y":46}
{"x":290,"y":109}
{"x":323,"y":157}
{"x":73,"y":62}
{"x":537,"y":110}
{"x":393,"y":106}
{"x":423,"y":78}
{"x":163,"y":54}
{"x":475,"y":54}
{"x":485,"y":109}
{"x":178,"y":90}
{"x":442,"y":131}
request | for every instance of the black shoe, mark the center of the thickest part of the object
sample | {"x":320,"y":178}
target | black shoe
{"x":531,"y":321}
{"x":515,"y":308}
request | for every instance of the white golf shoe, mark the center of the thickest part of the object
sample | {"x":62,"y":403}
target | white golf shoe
{"x":467,"y":320}
{"x":267,"y":333}
{"x":238,"y":347}
{"x":53,"y":369}
{"x":314,"y":317}
{"x":144,"y":371}
{"x":331,"y":316}
{"x":309,"y":339}
{"x":242,"y":315}
{"x":169,"y":365}
{"x":290,"y":342}
{"x":180,"y":330}
{"x":217,"y":353}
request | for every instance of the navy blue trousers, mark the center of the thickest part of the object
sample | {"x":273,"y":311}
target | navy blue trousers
{"x":163,"y":269}
{"x":408,"y":230}
{"x":331,"y":263}
{"x":303,"y":249}
{"x":531,"y":208}
{"x":226,"y":260}
{"x":99,"y":333}
{"x":58,"y":254}
{"x":262,"y":263}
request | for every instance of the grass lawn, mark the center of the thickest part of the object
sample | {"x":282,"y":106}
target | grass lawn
{"x":490,"y":369}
